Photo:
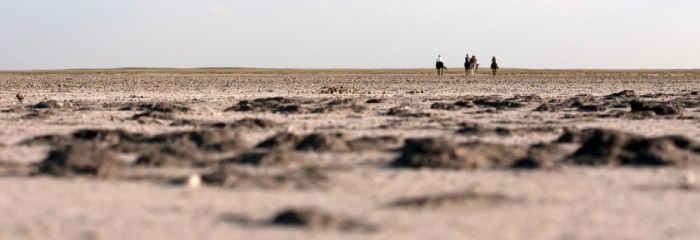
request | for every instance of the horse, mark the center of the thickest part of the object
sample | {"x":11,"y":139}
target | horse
{"x":494,"y":66}
{"x":473,"y":66}
{"x":466,"y":65}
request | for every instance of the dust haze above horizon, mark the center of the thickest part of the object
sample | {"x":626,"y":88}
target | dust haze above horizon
{"x":604,"y":34}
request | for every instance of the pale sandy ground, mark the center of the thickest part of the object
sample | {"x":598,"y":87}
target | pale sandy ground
{"x":568,"y":203}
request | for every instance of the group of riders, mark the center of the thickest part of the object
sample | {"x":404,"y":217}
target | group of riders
{"x":470,"y":65}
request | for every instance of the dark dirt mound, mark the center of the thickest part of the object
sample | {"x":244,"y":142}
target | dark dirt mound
{"x":405,"y":111}
{"x":441,"y":153}
{"x":283,"y":140}
{"x":316,"y":219}
{"x":592,"y":108}
{"x":374,"y":101}
{"x":327,"y":142}
{"x":497,"y":102}
{"x":466,"y":199}
{"x":50,"y":104}
{"x":622,"y":94}
{"x":547,"y":107}
{"x":342,"y":90}
{"x":273,"y":104}
{"x":154,"y":115}
{"x":341,"y":105}
{"x":526,"y":98}
{"x":483,"y":129}
{"x":165,"y":107}
{"x":219,"y":140}
{"x":270,"y":158}
{"x":38,"y":114}
{"x":579,"y":100}
{"x":445,"y":106}
{"x":324,"y":142}
{"x":246,"y":123}
{"x":307,"y":178}
{"x":609,"y":147}
{"x":163,"y":150}
{"x":639,"y":115}
{"x":660,"y":108}
{"x":80,"y":158}
{"x":373,"y":143}
{"x":572,"y":135}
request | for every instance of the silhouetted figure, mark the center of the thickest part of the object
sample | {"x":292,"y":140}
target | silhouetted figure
{"x":466,"y":65}
{"x":440,"y":66}
{"x":473,"y":66}
{"x":494,"y":66}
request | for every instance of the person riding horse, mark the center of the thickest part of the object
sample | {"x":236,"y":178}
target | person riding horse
{"x":440,"y":66}
{"x":466,"y":65}
{"x":473,"y":66}
{"x":494,"y":65}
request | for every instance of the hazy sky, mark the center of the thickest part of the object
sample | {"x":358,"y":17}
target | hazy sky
{"x":47,"y":34}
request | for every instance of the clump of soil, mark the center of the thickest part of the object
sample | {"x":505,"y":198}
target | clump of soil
{"x":547,"y":107}
{"x":307,"y":178}
{"x":660,"y":108}
{"x":246,"y":123}
{"x":441,"y":153}
{"x":341,"y":105}
{"x":373,"y":143}
{"x":572,"y":135}
{"x":316,"y":219}
{"x":273,"y":104}
{"x":497,"y":102}
{"x":592,"y":108}
{"x":374,"y":101}
{"x":452,"y":106}
{"x":153,"y":115}
{"x":163,"y":150}
{"x":283,"y":140}
{"x":270,"y":158}
{"x":405,"y":111}
{"x":341,"y":90}
{"x":609,"y":147}
{"x":49,"y":104}
{"x":165,"y":107}
{"x":38,"y":114}
{"x":624,"y":94}
{"x":324,"y":142}
{"x":579,"y":100}
{"x":467,"y":199}
{"x":525,"y":98}
{"x":80,"y":158}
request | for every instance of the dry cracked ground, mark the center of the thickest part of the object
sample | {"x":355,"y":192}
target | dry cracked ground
{"x":169,"y":156}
